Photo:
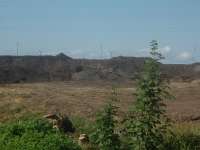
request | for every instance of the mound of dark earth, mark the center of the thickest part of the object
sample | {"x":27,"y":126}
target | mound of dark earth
{"x":15,"y":69}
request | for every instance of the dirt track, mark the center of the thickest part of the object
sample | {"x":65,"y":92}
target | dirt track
{"x":84,"y":99}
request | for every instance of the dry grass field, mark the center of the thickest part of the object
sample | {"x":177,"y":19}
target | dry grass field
{"x":86,"y":98}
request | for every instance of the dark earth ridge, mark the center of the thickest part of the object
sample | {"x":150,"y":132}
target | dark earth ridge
{"x":17,"y":69}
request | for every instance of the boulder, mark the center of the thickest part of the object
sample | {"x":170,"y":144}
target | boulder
{"x":83,"y":139}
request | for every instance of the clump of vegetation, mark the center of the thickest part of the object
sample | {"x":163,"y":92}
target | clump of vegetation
{"x":33,"y":134}
{"x":104,"y":135}
{"x":184,"y":137}
{"x":147,"y":124}
{"x":83,"y":125}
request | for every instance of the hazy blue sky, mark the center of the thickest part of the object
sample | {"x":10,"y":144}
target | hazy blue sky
{"x":81,"y":28}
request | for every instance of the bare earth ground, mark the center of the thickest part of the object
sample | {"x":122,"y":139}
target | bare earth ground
{"x":86,"y":98}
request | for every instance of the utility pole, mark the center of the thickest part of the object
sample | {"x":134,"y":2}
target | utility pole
{"x":101,"y":51}
{"x":17,"y":45}
{"x":194,"y":54}
{"x":111,"y":54}
{"x":40,"y":52}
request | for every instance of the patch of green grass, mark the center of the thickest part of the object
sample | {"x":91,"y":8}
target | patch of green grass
{"x":83,"y":125}
{"x":185,"y":136}
{"x":33,"y":134}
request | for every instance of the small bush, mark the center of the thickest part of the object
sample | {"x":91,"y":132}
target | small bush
{"x":35,"y":134}
{"x":79,"y":68}
{"x":66,"y":125}
{"x":104,"y":135}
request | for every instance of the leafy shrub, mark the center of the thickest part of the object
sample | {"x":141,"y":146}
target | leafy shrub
{"x":34,"y":134}
{"x":147,"y":124}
